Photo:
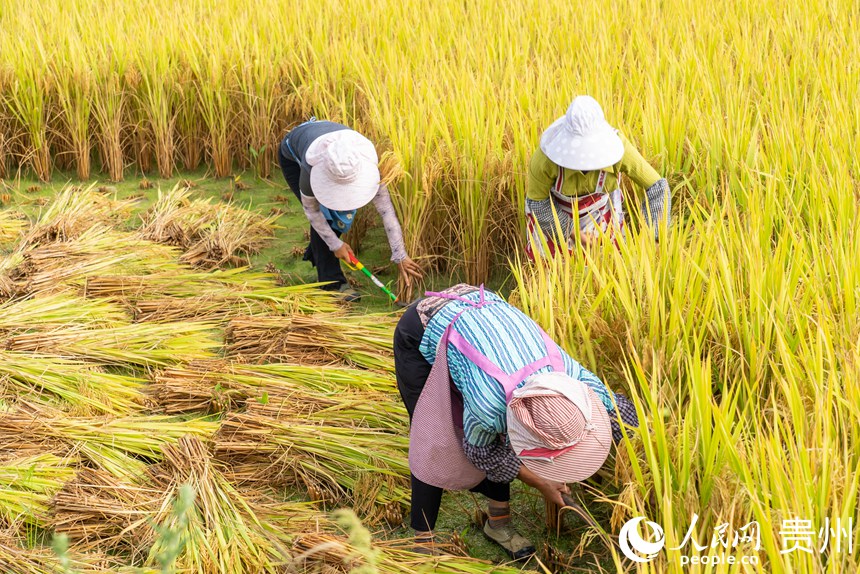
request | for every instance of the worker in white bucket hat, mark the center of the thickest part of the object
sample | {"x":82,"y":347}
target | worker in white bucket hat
{"x":492,"y":398}
{"x":574,"y":175}
{"x":333,"y":171}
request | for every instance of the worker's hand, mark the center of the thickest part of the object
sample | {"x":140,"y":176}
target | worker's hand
{"x":410,"y":275}
{"x":552,"y":491}
{"x":344,"y":252}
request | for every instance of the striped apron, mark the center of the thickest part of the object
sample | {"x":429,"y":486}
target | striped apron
{"x":598,"y":209}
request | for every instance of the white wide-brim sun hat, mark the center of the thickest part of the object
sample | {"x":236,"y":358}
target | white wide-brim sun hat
{"x":559,"y":427}
{"x":344,"y":174}
{"x":582,"y":139}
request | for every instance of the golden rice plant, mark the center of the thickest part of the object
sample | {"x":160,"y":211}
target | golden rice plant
{"x":726,"y":334}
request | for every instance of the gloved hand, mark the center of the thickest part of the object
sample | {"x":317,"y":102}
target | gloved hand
{"x":657,"y":205}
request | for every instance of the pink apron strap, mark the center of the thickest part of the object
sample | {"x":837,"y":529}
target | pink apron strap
{"x":476,"y":356}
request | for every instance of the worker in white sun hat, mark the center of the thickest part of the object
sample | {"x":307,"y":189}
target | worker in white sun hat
{"x":333,"y":171}
{"x":575,"y":174}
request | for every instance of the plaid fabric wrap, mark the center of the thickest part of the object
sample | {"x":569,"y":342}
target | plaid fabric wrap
{"x":656,"y":205}
{"x":626,"y":411}
{"x":498,"y":460}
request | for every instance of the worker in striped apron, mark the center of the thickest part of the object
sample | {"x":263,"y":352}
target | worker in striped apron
{"x":492,"y":398}
{"x":574,"y":176}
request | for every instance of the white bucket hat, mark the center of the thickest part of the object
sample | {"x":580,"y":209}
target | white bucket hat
{"x":582,"y":139}
{"x":558,"y":427}
{"x":345,"y":175}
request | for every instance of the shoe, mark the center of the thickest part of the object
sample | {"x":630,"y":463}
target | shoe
{"x":427,"y":547}
{"x":350,"y":295}
{"x":517,"y":547}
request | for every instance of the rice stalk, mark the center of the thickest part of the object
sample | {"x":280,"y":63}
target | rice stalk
{"x":73,"y":211}
{"x":334,"y":395}
{"x":75,"y":387}
{"x":27,"y":483}
{"x":363,"y":342}
{"x":140,"y":344}
{"x":364,"y":466}
{"x":225,"y":533}
{"x":64,"y":266}
{"x":12,"y":227}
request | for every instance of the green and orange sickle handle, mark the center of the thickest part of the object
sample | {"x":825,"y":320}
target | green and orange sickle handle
{"x":358,"y":265}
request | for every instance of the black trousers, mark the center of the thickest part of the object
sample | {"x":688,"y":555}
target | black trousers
{"x":412,"y":370}
{"x":318,"y":252}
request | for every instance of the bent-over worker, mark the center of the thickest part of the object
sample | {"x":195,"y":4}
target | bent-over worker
{"x":575,"y":173}
{"x":519,"y":407}
{"x":333,"y":171}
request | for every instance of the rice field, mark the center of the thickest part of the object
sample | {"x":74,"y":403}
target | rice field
{"x":141,"y":350}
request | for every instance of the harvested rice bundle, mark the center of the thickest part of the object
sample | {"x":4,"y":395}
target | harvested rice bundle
{"x":73,"y":386}
{"x":74,"y":211}
{"x":59,"y":309}
{"x":12,"y":227}
{"x":329,"y":552}
{"x":63,"y":266}
{"x":98,"y":509}
{"x":364,"y":468}
{"x":334,"y":395}
{"x":224,"y":533}
{"x":184,"y":283}
{"x":143,"y":345}
{"x":320,"y":339}
{"x":230,"y":238}
{"x":211,"y":234}
{"x":217,"y":294}
{"x":175,"y":218}
{"x":14,"y":559}
{"x":121,"y":446}
{"x":27,"y":483}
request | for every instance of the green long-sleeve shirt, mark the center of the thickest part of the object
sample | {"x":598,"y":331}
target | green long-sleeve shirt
{"x":543,"y":173}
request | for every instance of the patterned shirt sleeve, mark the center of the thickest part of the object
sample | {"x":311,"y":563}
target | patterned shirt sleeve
{"x":383,"y":204}
{"x":497,"y":460}
{"x":312,"y":211}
